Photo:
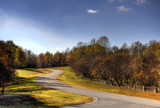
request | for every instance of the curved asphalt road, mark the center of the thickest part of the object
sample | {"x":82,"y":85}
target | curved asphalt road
{"x":102,"y":99}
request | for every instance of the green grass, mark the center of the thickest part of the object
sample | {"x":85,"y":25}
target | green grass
{"x":70,"y":78}
{"x":38,"y":95}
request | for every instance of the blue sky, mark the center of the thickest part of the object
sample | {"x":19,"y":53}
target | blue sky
{"x":54,"y":25}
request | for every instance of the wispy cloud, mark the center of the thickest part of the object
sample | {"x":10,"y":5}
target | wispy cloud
{"x":31,"y":35}
{"x":123,"y":8}
{"x":138,"y":2}
{"x":141,"y":1}
{"x":92,"y":11}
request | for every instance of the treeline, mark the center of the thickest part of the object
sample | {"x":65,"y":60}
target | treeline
{"x":16,"y":57}
{"x":138,"y":64}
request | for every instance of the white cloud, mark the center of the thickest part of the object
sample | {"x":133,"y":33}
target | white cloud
{"x":123,"y":8}
{"x":92,"y":11}
{"x":110,"y":0}
{"x":140,"y":1}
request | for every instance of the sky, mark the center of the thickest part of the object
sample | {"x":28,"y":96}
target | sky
{"x":54,"y":25}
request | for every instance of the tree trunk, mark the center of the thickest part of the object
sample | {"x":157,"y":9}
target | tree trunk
{"x":111,"y":82}
{"x":3,"y":87}
{"x":118,"y":84}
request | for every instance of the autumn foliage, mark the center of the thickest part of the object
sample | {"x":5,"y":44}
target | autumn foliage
{"x":138,"y":64}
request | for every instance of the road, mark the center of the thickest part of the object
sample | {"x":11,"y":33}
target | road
{"x":102,"y":99}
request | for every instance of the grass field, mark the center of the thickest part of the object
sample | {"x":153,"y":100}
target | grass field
{"x":70,"y":78}
{"x":24,"y":92}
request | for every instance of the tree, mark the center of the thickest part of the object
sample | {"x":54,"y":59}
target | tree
{"x":8,"y":51}
{"x":95,"y":50}
{"x":3,"y":50}
{"x":81,"y":67}
{"x":69,"y":58}
{"x":93,"y":41}
{"x":48,"y":59}
{"x":137,"y":48}
{"x":124,"y":49}
{"x":6,"y":74}
{"x":58,"y":59}
{"x":118,"y":66}
{"x":100,"y":70}
{"x":136,"y":67}
{"x":145,"y":64}
{"x":40,"y":60}
{"x":151,"y":63}
{"x":20,"y":58}
{"x":65,"y":54}
{"x":31,"y":59}
{"x":104,"y":41}
{"x":138,"y":64}
{"x":11,"y":53}
{"x":115,"y":49}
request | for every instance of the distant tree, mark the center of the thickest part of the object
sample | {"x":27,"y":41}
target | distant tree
{"x":40,"y":60}
{"x":20,"y":58}
{"x":95,"y":50}
{"x":66,"y":52}
{"x":99,"y":50}
{"x":104,"y":41}
{"x":48,"y":59}
{"x":93,"y":41}
{"x":124,"y":48}
{"x":28,"y":58}
{"x":79,"y":44}
{"x":6,"y":74}
{"x":31,"y":59}
{"x":115,"y":49}
{"x":68,"y":59}
{"x":58,"y":59}
{"x":137,"y":48}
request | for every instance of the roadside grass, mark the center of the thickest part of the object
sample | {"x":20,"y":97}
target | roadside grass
{"x":25,"y":92}
{"x":69,"y":77}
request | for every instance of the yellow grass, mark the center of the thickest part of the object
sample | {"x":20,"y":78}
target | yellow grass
{"x":25,"y":85}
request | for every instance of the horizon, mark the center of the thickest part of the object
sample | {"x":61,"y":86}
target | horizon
{"x":56,"y":25}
